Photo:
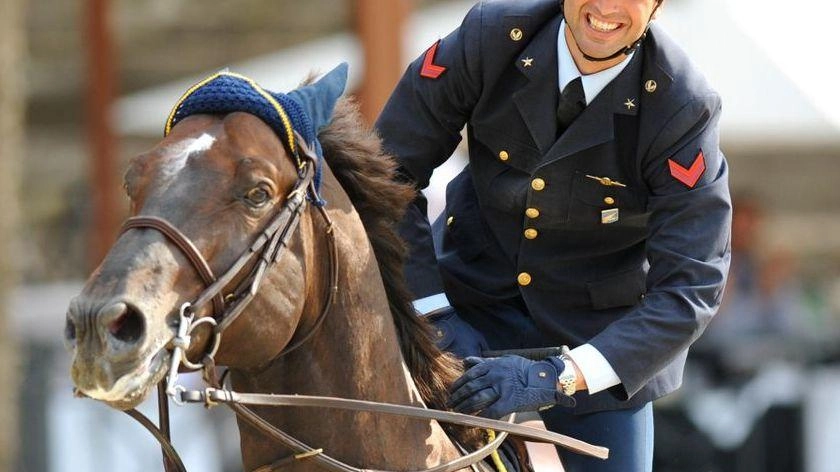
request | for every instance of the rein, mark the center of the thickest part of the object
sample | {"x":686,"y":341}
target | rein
{"x":266,"y":250}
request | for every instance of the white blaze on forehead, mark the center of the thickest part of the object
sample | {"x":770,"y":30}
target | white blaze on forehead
{"x":180,"y":152}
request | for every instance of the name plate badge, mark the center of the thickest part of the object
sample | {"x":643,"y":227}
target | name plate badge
{"x":609,"y":216}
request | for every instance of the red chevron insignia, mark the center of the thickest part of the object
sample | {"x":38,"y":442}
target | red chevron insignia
{"x":430,"y":70}
{"x":691,"y":175}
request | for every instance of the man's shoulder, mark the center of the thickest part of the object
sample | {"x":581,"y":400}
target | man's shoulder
{"x":490,"y":12}
{"x":667,"y":60}
{"x":675,"y":94}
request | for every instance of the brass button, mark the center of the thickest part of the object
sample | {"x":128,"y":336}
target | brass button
{"x":532,"y":213}
{"x":450,"y":220}
{"x":650,"y":86}
{"x":531,"y":233}
{"x":503,"y":155}
{"x":516,"y":34}
{"x":538,"y":184}
{"x":609,"y":200}
{"x":524,"y":279}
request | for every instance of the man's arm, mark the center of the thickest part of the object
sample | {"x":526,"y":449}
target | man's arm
{"x":421,"y":126}
{"x":688,"y":247}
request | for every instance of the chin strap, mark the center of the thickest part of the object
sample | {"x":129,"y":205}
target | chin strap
{"x":624,"y":51}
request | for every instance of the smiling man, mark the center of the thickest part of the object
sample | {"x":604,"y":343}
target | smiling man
{"x":594,"y":212}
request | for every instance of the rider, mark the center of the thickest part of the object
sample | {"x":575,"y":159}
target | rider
{"x":594,"y":212}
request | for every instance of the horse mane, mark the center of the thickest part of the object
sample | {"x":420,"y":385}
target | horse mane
{"x":368,"y":175}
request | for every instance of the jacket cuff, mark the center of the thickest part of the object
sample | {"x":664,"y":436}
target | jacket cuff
{"x":595,"y":368}
{"x":425,"y":306}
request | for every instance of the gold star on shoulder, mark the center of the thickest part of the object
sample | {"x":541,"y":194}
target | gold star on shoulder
{"x":630,"y":103}
{"x":527,"y":62}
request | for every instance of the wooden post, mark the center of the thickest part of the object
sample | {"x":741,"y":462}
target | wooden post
{"x":104,"y":184}
{"x":12,"y":51}
{"x":380,"y":25}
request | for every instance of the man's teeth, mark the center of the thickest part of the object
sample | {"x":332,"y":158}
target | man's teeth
{"x":602,"y":25}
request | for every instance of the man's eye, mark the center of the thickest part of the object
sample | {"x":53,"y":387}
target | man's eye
{"x":258,"y":196}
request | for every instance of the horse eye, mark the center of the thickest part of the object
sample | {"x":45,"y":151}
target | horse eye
{"x":257,"y":196}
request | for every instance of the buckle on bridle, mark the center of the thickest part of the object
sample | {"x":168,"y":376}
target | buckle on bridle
{"x":214,"y":396}
{"x":209,"y":402}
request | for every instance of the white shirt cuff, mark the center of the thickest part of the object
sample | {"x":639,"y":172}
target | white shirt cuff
{"x":426,"y":305}
{"x":598,"y":373}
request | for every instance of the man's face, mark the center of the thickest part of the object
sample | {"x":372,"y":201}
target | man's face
{"x":602,"y":27}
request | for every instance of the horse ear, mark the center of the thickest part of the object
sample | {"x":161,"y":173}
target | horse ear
{"x":319,"y":98}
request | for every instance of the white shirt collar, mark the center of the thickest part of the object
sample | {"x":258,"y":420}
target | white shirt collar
{"x":593,"y":84}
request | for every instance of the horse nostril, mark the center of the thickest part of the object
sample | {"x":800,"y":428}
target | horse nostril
{"x":127,"y":324}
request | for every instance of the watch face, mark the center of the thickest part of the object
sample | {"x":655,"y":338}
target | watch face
{"x":568,"y":378}
{"x":567,"y":384}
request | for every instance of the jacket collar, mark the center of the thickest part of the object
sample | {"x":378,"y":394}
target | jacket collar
{"x":595,"y":125}
{"x":537,"y":99}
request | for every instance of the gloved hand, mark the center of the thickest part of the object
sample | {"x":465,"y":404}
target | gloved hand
{"x":495,"y":387}
{"x":455,"y":335}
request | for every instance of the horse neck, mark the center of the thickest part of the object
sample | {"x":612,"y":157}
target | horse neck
{"x":354,"y":354}
{"x":357,"y":342}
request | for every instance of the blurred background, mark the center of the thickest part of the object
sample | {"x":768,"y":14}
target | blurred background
{"x":86,"y":84}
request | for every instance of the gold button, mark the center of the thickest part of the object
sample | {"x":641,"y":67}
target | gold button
{"x":609,"y":200}
{"x":532,"y":213}
{"x":650,"y":86}
{"x":531,"y":233}
{"x":503,"y":155}
{"x":450,"y":220}
{"x":516,"y":34}
{"x":538,"y":184}
{"x":524,"y":279}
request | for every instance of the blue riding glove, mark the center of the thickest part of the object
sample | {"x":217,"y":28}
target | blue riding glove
{"x":495,"y":387}
{"x":455,"y":335}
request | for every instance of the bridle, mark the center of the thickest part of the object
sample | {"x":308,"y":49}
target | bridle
{"x":264,"y":251}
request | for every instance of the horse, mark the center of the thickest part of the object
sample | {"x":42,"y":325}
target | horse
{"x":219,"y":179}
{"x":296,"y":205}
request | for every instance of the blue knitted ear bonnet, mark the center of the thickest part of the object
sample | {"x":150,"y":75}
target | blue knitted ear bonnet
{"x":305,"y":110}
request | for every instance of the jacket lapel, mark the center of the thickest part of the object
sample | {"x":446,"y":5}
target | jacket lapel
{"x":595,"y":125}
{"x":537,"y":100}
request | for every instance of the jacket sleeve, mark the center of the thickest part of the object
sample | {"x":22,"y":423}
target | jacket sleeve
{"x":688,"y":247}
{"x":421,"y":126}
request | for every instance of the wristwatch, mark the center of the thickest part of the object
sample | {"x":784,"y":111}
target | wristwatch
{"x":567,"y":380}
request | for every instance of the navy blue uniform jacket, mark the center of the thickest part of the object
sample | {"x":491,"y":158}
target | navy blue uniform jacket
{"x":641,"y":289}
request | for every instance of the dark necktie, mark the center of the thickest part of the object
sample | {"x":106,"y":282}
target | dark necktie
{"x":572,"y":102}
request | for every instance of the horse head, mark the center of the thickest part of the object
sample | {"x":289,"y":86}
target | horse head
{"x":218,"y":178}
{"x":218,"y":209}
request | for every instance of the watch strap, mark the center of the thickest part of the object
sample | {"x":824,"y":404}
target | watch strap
{"x":567,"y":380}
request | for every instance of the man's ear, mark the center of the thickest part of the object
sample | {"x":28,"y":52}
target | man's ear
{"x":657,"y":9}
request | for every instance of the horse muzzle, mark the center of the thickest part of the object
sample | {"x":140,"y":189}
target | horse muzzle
{"x":113,"y":358}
